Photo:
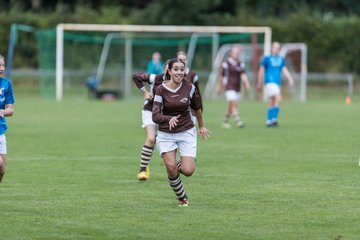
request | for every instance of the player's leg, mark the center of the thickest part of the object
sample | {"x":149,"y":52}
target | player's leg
{"x":227,"y":115}
{"x":270,"y":111}
{"x":174,"y":177}
{"x":187,"y":144}
{"x":272,"y":90}
{"x":229,"y":97}
{"x":187,"y":166}
{"x":235,"y":113}
{"x":3,"y":151}
{"x":148,"y":147}
{"x":276,"y":107}
{"x":2,"y":165}
{"x":167,"y":147}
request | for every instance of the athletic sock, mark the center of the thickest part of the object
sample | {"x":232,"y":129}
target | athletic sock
{"x":226,"y":117}
{"x":178,"y":165}
{"x":276,"y":114}
{"x":146,"y":154}
{"x":236,"y":117}
{"x":270,"y":114}
{"x":177,"y":187}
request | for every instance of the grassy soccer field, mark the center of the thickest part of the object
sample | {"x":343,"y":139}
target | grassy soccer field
{"x":72,"y":168}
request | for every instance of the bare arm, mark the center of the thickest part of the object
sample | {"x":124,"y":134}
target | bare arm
{"x":204,"y":133}
{"x":260,"y":77}
{"x":288,"y":76}
{"x":219,"y":85}
{"x":139,"y":79}
{"x":8,"y":111}
{"x":245,"y":79}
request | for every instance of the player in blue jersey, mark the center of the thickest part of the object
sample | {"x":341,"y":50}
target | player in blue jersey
{"x":6,"y":110}
{"x":272,"y":67}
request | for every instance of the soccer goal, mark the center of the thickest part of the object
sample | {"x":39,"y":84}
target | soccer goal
{"x":113,"y":53}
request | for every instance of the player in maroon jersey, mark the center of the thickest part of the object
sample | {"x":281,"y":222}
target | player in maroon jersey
{"x":147,"y":123}
{"x":231,"y":78}
{"x":190,"y":75}
{"x":177,"y":132}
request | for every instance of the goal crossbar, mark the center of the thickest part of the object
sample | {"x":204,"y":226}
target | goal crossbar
{"x":60,"y":28}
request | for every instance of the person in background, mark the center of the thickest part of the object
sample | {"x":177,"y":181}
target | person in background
{"x":154,"y":80}
{"x":271,"y":67}
{"x":190,"y":76}
{"x":6,"y":110}
{"x":155,"y":66}
{"x":232,"y":75}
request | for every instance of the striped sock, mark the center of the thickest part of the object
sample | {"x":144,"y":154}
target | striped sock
{"x":177,"y":187}
{"x":146,"y":154}
{"x":178,"y":165}
{"x":226,"y":117}
{"x":237,"y":119}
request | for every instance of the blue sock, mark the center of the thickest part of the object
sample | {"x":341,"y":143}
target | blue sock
{"x":276,"y":113}
{"x":270,"y":114}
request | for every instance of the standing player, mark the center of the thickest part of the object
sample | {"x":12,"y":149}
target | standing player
{"x":231,"y":78}
{"x":172,"y":101}
{"x":272,"y":66}
{"x":6,"y":110}
{"x":155,"y":65}
{"x":147,"y":123}
{"x":191,"y":77}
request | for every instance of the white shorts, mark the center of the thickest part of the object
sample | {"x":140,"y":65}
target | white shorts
{"x":184,"y":141}
{"x":3,"y":144}
{"x":232,"y":95}
{"x":146,"y":118}
{"x":272,"y":89}
{"x":193,"y":117}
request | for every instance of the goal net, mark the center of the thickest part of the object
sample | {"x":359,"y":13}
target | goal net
{"x":110,"y":54}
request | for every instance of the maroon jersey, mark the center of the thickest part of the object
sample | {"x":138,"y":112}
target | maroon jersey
{"x":153,"y":80}
{"x":231,"y":71}
{"x":169,"y":103}
{"x":193,"y":78}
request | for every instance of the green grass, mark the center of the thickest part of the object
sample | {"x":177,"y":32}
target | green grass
{"x":72,"y":168}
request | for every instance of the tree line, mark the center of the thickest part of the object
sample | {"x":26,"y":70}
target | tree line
{"x":329,"y":27}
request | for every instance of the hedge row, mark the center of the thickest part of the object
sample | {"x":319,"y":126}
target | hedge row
{"x":332,"y":41}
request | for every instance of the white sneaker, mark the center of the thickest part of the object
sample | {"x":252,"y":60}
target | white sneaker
{"x":226,"y":125}
{"x":240,"y":124}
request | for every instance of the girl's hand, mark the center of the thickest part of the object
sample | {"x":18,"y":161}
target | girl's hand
{"x":173,"y":122}
{"x":204,"y":133}
{"x":147,"y":95}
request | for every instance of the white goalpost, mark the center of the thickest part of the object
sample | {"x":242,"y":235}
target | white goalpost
{"x":199,"y":31}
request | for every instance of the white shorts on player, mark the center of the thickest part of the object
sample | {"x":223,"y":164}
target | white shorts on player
{"x":272,"y":89}
{"x":146,"y":117}
{"x":232,"y":95}
{"x":3,"y":149}
{"x":185,"y":142}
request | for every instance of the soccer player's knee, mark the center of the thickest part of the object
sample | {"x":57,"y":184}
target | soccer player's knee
{"x":2,"y":167}
{"x":150,"y":140}
{"x":187,"y":172}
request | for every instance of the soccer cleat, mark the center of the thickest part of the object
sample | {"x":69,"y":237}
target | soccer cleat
{"x":142,"y":176}
{"x":183,"y":203}
{"x":147,"y":172}
{"x":272,"y":124}
{"x":226,"y":125}
{"x":240,"y":124}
